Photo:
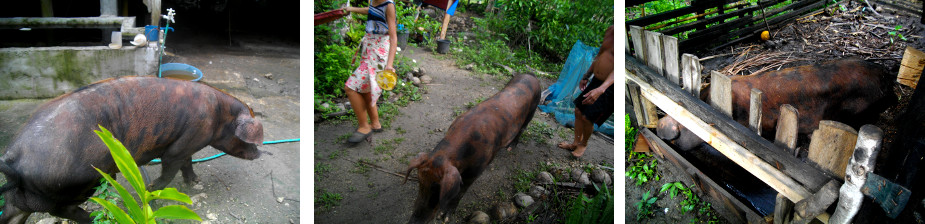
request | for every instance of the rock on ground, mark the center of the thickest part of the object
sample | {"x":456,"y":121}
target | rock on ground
{"x":544,"y":178}
{"x":479,"y":217}
{"x":538,"y":192}
{"x":504,"y":210}
{"x":426,"y":79}
{"x":581,"y":176}
{"x":523,"y":200}
{"x":600,"y":176}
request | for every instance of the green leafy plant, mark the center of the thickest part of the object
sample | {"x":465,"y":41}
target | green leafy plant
{"x":645,"y":206}
{"x":142,"y":213}
{"x":108,"y":193}
{"x":327,"y":200}
{"x":643,"y":167}
{"x":538,"y":132}
{"x":522,"y":180}
{"x":598,"y":209}
{"x":895,"y":33}
{"x":673,"y":188}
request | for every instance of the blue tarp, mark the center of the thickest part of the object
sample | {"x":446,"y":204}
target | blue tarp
{"x":565,"y":90}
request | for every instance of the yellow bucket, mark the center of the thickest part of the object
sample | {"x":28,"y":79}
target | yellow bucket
{"x":386,"y":79}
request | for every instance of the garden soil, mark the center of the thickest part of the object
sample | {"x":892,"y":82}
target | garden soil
{"x":231,"y":190}
{"x":379,"y":196}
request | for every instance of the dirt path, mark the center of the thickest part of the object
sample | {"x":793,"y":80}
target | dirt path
{"x":232,"y":190}
{"x":371,"y":194}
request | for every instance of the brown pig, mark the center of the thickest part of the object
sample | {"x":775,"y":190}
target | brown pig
{"x":49,"y":164}
{"x":849,"y":91}
{"x":469,"y":146}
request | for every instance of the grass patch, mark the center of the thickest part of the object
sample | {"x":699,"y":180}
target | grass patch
{"x":598,"y":209}
{"x":522,"y":180}
{"x":361,"y":168}
{"x":538,"y":132}
{"x":325,"y":201}
{"x":387,"y":146}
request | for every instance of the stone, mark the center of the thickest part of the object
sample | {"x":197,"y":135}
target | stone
{"x":340,"y":107}
{"x":416,"y":81}
{"x":325,"y":105}
{"x":600,"y":176}
{"x":479,"y":217}
{"x":279,"y":200}
{"x":544,"y":178}
{"x":426,"y":79}
{"x":538,"y":192}
{"x":522,"y":200}
{"x":504,"y":210}
{"x":409,"y":75}
{"x":268,"y":76}
{"x":421,"y":71}
{"x":580,"y":176}
{"x":212,"y":216}
{"x":470,"y":66}
{"x":47,"y":221}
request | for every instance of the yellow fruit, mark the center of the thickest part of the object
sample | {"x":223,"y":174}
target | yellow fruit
{"x":765,"y":35}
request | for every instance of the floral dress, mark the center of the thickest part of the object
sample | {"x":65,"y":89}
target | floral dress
{"x":375,"y":53}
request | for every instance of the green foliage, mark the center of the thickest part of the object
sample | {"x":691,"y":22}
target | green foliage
{"x":387,"y":146}
{"x":137,"y":213}
{"x":645,"y":206}
{"x":598,"y":209}
{"x":522,"y":180}
{"x":538,"y":132}
{"x":552,"y":27}
{"x":895,"y":33}
{"x":325,"y":201}
{"x":332,"y":68}
{"x":673,"y":188}
{"x":643,"y":166}
{"x":106,"y":192}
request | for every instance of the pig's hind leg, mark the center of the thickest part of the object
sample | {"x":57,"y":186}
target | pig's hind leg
{"x":72,"y":212}
{"x":189,"y":176}
{"x":12,"y":214}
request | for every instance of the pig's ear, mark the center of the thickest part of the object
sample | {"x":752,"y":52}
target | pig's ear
{"x":415,"y":163}
{"x":450,"y":185}
{"x":249,"y":130}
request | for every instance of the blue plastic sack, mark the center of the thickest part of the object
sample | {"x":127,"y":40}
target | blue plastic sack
{"x":565,"y":90}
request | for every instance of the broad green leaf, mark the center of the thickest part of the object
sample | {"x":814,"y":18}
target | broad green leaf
{"x":117,"y":212}
{"x":176,"y":212}
{"x":127,"y":198}
{"x":124,"y":161}
{"x":171,"y":194}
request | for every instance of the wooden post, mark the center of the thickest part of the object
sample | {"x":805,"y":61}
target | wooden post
{"x":911,"y":67}
{"x":654,"y":52}
{"x":690,"y":73}
{"x":783,"y":210}
{"x":754,"y":111}
{"x":831,"y":146}
{"x":637,"y":104}
{"x":862,"y":162}
{"x":787,"y":128}
{"x":721,"y":92}
{"x":816,"y":204}
{"x":47,"y":9}
{"x":446,"y":20}
{"x":639,"y":42}
{"x":672,"y":71}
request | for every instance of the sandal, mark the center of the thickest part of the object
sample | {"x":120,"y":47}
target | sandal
{"x":358,"y":137}
{"x":377,"y":130}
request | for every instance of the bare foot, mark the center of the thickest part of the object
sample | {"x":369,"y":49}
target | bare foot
{"x":567,"y":146}
{"x":579,"y":150}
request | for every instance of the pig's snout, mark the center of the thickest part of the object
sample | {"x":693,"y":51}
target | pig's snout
{"x":668,"y":129}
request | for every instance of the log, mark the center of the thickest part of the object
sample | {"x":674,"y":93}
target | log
{"x":815,"y":205}
{"x":832,"y":145}
{"x":721,"y":92}
{"x":690,"y":73}
{"x":754,"y":111}
{"x":672,"y":70}
{"x":787,"y":127}
{"x":644,"y":110}
{"x":794,"y":179}
{"x":724,"y":202}
{"x":862,"y":162}
{"x":910,"y":70}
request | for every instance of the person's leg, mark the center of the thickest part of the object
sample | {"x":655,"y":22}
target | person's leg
{"x":360,"y":109}
{"x":373,"y":111}
{"x":586,"y":129}
{"x":577,"y":138}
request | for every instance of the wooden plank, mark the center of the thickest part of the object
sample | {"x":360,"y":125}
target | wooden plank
{"x":910,"y":70}
{"x":650,"y":113}
{"x":639,"y":43}
{"x":690,"y":73}
{"x":788,"y":175}
{"x":787,"y":127}
{"x":672,"y":70}
{"x":754,"y":111}
{"x":654,"y":55}
{"x":637,"y":104}
{"x":783,"y":210}
{"x":626,"y":38}
{"x":722,"y":28}
{"x":832,"y":146}
{"x":863,"y":159}
{"x":734,"y":210}
{"x":815,"y":205}
{"x":717,"y":18}
{"x":721,"y":92}
{"x":650,"y":19}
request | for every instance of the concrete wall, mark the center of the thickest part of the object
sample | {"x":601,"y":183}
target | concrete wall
{"x":51,"y":71}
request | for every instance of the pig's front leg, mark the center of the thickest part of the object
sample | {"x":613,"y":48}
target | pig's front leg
{"x":189,"y":176}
